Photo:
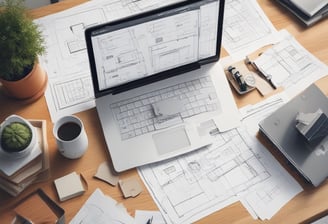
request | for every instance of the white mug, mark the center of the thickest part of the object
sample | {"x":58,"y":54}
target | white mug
{"x":71,"y":138}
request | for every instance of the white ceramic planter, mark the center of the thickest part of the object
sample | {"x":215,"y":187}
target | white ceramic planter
{"x":28,"y":149}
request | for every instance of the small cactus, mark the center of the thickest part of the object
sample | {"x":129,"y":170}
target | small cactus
{"x":15,"y":137}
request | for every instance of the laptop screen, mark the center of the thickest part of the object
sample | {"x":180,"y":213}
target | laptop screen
{"x":154,"y":45}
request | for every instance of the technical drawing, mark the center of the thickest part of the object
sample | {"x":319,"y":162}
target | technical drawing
{"x":236,"y":167}
{"x":70,"y":30}
{"x":120,"y":58}
{"x":174,"y":42}
{"x":246,"y":27}
{"x":208,"y":35}
{"x":142,"y":50}
{"x":243,"y":25}
{"x":120,"y":8}
{"x":287,"y":63}
{"x":71,"y":92}
{"x":78,"y":43}
{"x":208,"y":176}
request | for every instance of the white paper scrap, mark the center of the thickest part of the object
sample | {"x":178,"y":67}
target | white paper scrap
{"x":100,"y":208}
{"x":142,"y":217}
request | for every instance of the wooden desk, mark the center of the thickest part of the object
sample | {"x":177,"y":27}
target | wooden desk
{"x":305,"y":205}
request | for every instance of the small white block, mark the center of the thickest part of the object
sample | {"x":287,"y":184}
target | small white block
{"x":69,"y":186}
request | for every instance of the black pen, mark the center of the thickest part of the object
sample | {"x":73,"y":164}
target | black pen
{"x":238,"y":77}
{"x":266,"y":77}
{"x":150,"y":220}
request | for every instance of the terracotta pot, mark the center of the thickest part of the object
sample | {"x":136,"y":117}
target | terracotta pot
{"x":30,"y":88}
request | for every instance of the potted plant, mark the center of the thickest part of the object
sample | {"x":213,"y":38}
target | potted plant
{"x":20,"y":42}
{"x":17,"y":137}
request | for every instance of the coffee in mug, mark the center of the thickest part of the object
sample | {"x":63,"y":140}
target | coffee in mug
{"x":71,"y":138}
{"x":68,"y":131}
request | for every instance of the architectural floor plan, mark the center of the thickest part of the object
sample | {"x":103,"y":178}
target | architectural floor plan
{"x":236,"y":167}
{"x":138,"y":51}
{"x":290,"y":65}
{"x":246,"y":27}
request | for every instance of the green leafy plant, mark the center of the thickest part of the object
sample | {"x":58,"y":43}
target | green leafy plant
{"x":20,"y":41}
{"x":15,"y":137}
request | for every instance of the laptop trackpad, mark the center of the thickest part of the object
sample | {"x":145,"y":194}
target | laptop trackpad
{"x":171,"y":140}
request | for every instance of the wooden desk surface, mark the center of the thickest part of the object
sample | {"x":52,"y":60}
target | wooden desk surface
{"x":307,"y":204}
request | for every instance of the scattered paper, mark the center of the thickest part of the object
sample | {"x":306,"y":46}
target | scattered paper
{"x":253,"y":113}
{"x":290,"y":65}
{"x":267,"y":198}
{"x":106,"y":174}
{"x":130,"y":187}
{"x":246,"y":28}
{"x":100,"y":208}
{"x":235,"y":167}
{"x":142,"y":217}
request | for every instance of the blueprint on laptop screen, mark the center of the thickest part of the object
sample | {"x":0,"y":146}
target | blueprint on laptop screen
{"x":144,"y":46}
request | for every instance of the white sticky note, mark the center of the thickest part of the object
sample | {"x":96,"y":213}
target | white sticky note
{"x":69,"y":186}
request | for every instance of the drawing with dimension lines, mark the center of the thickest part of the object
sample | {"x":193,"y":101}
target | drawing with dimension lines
{"x":194,"y":185}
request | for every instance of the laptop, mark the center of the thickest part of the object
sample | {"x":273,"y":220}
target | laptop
{"x":310,"y":7}
{"x":308,"y":157}
{"x":308,"y":11}
{"x":156,"y":81}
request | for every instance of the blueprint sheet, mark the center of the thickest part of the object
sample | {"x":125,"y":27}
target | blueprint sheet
{"x":235,"y":167}
{"x":245,"y":28}
{"x":290,"y":65}
{"x":70,"y":87}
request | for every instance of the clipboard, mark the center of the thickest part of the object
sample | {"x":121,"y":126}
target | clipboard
{"x":253,"y":78}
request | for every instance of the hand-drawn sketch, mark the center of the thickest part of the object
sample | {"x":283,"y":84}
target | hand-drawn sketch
{"x":121,"y":8}
{"x":246,"y":27}
{"x":290,"y":65}
{"x":66,"y":59}
{"x":72,"y":91}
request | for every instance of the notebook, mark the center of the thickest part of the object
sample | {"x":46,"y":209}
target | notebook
{"x":156,"y":81}
{"x":309,"y":158}
{"x":310,"y":7}
{"x":308,"y":11}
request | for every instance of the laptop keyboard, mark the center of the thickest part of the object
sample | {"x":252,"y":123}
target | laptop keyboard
{"x":165,"y":107}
